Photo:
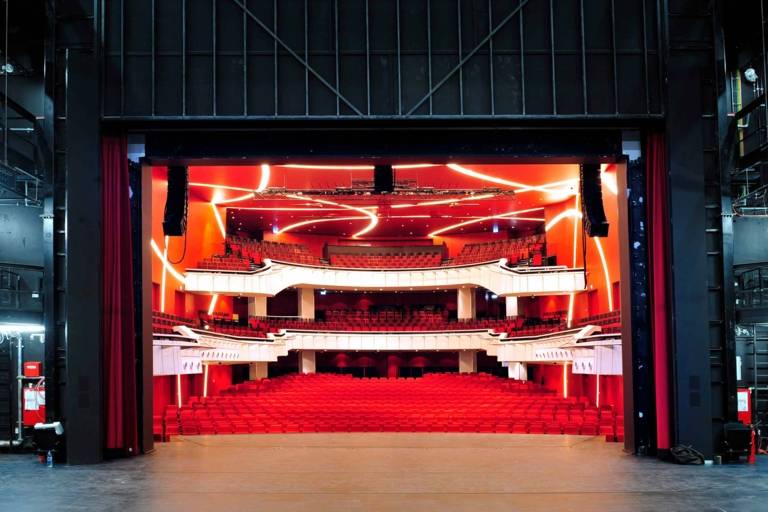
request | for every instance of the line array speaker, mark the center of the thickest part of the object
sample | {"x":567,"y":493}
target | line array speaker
{"x":592,"y":210}
{"x":383,"y":179}
{"x":175,"y":216}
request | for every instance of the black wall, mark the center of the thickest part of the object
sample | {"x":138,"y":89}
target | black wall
{"x":750,"y":240}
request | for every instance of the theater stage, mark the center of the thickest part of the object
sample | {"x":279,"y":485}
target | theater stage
{"x":383,"y":472}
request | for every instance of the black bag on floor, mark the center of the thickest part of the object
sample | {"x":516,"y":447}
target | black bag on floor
{"x":686,"y":455}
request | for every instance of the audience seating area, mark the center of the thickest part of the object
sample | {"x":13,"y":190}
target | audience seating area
{"x":394,"y":260}
{"x":434,"y":403}
{"x":244,"y":254}
{"x":529,"y":250}
{"x":610,"y":322}
{"x":163,"y":323}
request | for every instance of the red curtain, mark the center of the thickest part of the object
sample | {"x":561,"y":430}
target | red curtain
{"x":658,"y":249}
{"x":117,"y":300}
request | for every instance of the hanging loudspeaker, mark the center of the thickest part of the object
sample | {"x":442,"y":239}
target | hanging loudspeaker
{"x":383,"y":179}
{"x":592,"y":201}
{"x":175,"y":216}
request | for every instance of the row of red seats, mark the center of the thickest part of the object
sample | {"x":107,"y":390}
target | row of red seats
{"x":396,"y":260}
{"x":530,"y":249}
{"x":258,"y":250}
{"x":435,"y":403}
{"x":226,"y":263}
{"x":164,"y":323}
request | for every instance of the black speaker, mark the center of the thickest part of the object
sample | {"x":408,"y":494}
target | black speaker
{"x":175,"y":216}
{"x":592,"y":201}
{"x":383,"y":179}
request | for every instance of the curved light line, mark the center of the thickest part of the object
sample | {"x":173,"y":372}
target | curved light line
{"x":315,"y":221}
{"x":519,"y":187}
{"x":353,"y":167}
{"x":508,"y":215}
{"x":219,"y":222}
{"x":264,"y":182}
{"x":608,"y":284}
{"x":572,"y":296}
{"x":571,"y":212}
{"x":166,"y":264}
{"x":237,"y":199}
{"x":444,"y":201}
{"x":374,"y":219}
{"x":286,"y":209}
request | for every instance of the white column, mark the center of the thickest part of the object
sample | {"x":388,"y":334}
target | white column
{"x":511,"y":305}
{"x":307,"y":361}
{"x":517,"y":371}
{"x":257,"y":306}
{"x":307,"y":303}
{"x":467,"y":361}
{"x":465,"y":303}
{"x":257,"y":370}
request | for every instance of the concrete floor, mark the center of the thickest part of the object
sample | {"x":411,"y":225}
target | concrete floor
{"x":383,"y":472}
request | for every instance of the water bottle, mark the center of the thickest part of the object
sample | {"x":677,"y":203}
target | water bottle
{"x":49,"y":459}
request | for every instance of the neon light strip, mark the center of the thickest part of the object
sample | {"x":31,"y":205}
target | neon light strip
{"x":597,"y":391}
{"x":608,"y":284}
{"x":163,"y":276}
{"x":222,"y":187}
{"x":508,"y":215}
{"x":219,"y":222}
{"x":237,"y":199}
{"x":444,"y":201}
{"x":279,"y":209}
{"x":178,"y":390}
{"x":571,"y":212}
{"x":572,"y":296}
{"x":354,"y":167}
{"x":166,"y":265}
{"x":212,"y":305}
{"x":519,"y":187}
{"x":565,"y":380}
{"x":264,"y":178}
{"x":205,"y":381}
{"x":374,"y":220}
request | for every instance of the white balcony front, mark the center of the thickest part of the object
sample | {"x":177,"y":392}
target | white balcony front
{"x":588,"y":351}
{"x":497,"y":277}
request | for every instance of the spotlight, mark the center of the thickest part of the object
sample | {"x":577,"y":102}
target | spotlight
{"x":751,"y":75}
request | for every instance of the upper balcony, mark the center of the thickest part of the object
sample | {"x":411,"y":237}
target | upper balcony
{"x":496,"y":276}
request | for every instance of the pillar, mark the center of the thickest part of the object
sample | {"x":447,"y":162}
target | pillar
{"x":307,"y":361}
{"x":257,"y":306}
{"x":517,"y":371}
{"x":465,"y":303}
{"x":258,"y":370}
{"x":307,"y":303}
{"x":511,"y":306}
{"x":467,"y":361}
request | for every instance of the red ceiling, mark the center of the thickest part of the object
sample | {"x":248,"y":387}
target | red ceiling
{"x":263,"y":211}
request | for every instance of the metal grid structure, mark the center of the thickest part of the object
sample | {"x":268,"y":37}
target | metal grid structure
{"x":301,"y":59}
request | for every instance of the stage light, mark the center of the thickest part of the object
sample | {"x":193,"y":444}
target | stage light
{"x":495,"y":228}
{"x":21,"y":328}
{"x":275,"y":229}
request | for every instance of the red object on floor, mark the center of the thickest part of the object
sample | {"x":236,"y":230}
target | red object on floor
{"x":435,"y":403}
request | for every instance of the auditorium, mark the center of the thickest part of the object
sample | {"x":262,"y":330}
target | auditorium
{"x":309,"y":255}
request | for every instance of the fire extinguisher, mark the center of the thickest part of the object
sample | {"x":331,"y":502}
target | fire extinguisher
{"x":34,"y":403}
